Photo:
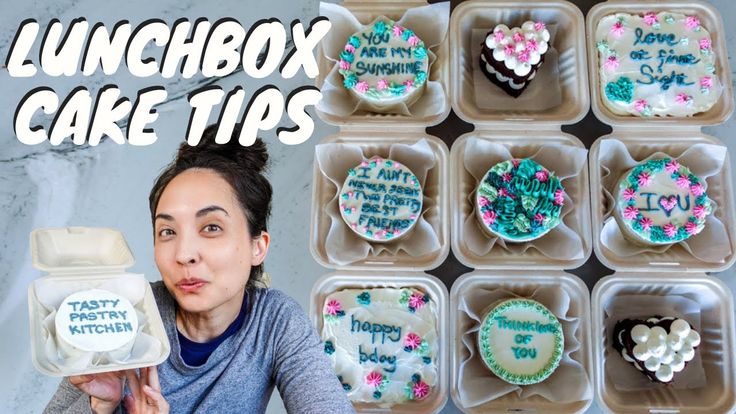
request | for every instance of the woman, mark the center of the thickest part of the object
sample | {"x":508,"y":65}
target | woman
{"x":231,"y":341}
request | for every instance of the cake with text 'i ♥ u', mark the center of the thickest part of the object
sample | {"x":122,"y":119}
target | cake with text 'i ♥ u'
{"x":382,"y":343}
{"x":380,"y":200}
{"x":660,"y":202}
{"x":95,"y":320}
{"x":519,"y":200}
{"x":521,"y":341}
{"x":385,"y":64}
{"x":658,"y":347}
{"x":656,"y":64}
{"x":510,"y":58}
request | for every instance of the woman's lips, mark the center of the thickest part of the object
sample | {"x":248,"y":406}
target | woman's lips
{"x":191,"y":285}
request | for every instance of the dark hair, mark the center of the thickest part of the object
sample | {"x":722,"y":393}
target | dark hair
{"x":242,"y":168}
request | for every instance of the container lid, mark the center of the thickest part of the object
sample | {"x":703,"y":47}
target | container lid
{"x":80,"y":250}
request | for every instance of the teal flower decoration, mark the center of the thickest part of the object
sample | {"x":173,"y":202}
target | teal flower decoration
{"x":380,"y":27}
{"x":527,"y":168}
{"x":329,"y":348}
{"x":421,"y":77}
{"x":407,"y":34}
{"x":350,"y":80}
{"x":621,"y":90}
{"x":354,"y":41}
{"x":364,"y":298}
{"x":420,"y":52}
{"x":347,"y":56}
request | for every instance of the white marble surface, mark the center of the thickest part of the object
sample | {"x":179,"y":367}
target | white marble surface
{"x":107,"y":185}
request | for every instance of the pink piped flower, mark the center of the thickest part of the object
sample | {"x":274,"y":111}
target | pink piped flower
{"x":506,"y":177}
{"x":532,"y":45}
{"x":611,"y":63}
{"x":349,"y":48}
{"x":539,"y":26}
{"x":650,"y":19}
{"x":364,"y":163}
{"x":517,"y":37}
{"x":515,"y":162}
{"x":333,"y":307}
{"x":706,"y":82}
{"x":420,"y":390}
{"x":482,"y":201}
{"x":344,"y":65}
{"x":691,"y":228}
{"x":539,"y":218}
{"x":644,"y":179}
{"x":382,"y":85}
{"x":682,"y":181}
{"x":509,"y":49}
{"x":704,"y":43}
{"x":498,"y":36}
{"x":692,"y":22}
{"x":631,"y":212}
{"x":413,"y":40}
{"x":628,"y":194}
{"x":670,"y":230}
{"x":617,"y":29}
{"x":646,"y":223}
{"x":683,"y":98}
{"x":374,"y":379}
{"x":361,"y":87}
{"x":416,"y":300}
{"x":541,"y":175}
{"x":672,"y":167}
{"x":559,"y":197}
{"x":409,"y":84}
{"x":412,"y":341}
{"x":640,"y":104}
{"x":502,"y":192}
{"x":699,"y":212}
{"x":398,"y":30}
{"x":489,"y":217}
{"x":523,"y":56}
{"x":697,"y":189}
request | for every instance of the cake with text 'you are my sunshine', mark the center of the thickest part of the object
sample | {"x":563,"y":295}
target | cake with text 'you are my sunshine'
{"x":95,"y":320}
{"x":521,"y":341}
{"x":382,"y":343}
{"x":660,"y":202}
{"x":380,"y":200}
{"x":385,"y":64}
{"x":656,"y":64}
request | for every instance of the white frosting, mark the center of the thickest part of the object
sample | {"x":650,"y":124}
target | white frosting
{"x":370,"y":337}
{"x":505,"y":79}
{"x":381,"y":200}
{"x":95,"y":320}
{"x":662,"y":352}
{"x":519,"y":48}
{"x":673,"y":35}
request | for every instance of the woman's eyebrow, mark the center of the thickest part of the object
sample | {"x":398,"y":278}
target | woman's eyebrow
{"x":163,"y":217}
{"x":210,"y":209}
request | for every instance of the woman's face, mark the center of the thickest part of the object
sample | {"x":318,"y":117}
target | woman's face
{"x":202,"y":245}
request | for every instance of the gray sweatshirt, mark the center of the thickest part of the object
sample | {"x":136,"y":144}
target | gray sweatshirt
{"x":276,"y":345}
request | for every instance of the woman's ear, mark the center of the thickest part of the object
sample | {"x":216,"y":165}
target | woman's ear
{"x":260,"y":248}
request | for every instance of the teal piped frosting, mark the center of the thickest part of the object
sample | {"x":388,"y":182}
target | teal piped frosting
{"x":420,"y":52}
{"x":519,"y":200}
{"x":488,"y":353}
{"x":621,"y":90}
{"x":350,"y":81}
{"x":347,"y":56}
{"x":364,"y":298}
{"x":354,"y":41}
{"x":380,"y":27}
{"x":407,"y":34}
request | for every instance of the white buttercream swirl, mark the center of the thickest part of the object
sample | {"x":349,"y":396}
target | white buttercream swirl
{"x":661,"y":352}
{"x":519,"y":48}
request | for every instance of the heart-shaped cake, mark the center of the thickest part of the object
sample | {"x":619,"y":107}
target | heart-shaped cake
{"x":659,"y":347}
{"x":510,"y":57}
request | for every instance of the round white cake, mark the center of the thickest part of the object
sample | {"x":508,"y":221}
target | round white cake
{"x":95,"y":320}
{"x":385,"y":64}
{"x":381,"y":200}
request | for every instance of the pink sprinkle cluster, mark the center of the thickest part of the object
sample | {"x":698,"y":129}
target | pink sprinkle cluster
{"x":416,"y":300}
{"x":697,"y":189}
{"x":483,"y":201}
{"x":409,"y":84}
{"x":650,"y":19}
{"x":644,"y":179}
{"x":539,"y":26}
{"x":646,"y":223}
{"x":640,"y":104}
{"x":670,"y":230}
{"x":631,"y":212}
{"x":539,"y":218}
{"x":420,"y":390}
{"x":382,"y":85}
{"x":523,"y":56}
{"x":692,"y":22}
{"x":517,"y":37}
{"x":412,"y":341}
{"x":611,"y":63}
{"x":617,"y":29}
{"x":506,"y":177}
{"x":374,"y":379}
{"x":498,"y":35}
{"x":542,"y":175}
{"x":361,"y":87}
{"x":489,"y":217}
{"x":532,"y":45}
{"x":672,"y":167}
{"x":706,"y":82}
{"x":691,"y":228}
{"x":509,"y":49}
{"x":629,"y":194}
{"x":704,"y":43}
{"x":559,"y":197}
{"x":515,"y":162}
{"x":699,"y":212}
{"x":398,"y":30}
{"x":502,"y":192}
{"x":413,"y":40}
{"x":683,"y":98}
{"x":333,"y":307}
{"x":682,"y":181}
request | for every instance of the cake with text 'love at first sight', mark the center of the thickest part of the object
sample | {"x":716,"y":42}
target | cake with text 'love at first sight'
{"x":382,"y":343}
{"x":385,"y":64}
{"x":656,"y":64}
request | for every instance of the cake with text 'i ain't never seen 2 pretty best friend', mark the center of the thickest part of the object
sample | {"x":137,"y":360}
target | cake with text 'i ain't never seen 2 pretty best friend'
{"x":382,"y":343}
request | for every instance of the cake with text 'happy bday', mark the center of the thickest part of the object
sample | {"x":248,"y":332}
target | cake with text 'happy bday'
{"x":381,"y":199}
{"x":656,"y":64}
{"x":95,"y":320}
{"x":385,"y":64}
{"x":521,"y":341}
{"x":519,"y":200}
{"x":382,"y":343}
{"x":660,"y":202}
{"x":510,"y":58}
{"x":658,"y":347}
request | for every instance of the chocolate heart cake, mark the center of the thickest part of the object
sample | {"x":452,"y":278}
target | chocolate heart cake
{"x":659,"y":347}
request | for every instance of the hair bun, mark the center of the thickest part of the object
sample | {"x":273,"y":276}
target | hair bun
{"x":253,"y":157}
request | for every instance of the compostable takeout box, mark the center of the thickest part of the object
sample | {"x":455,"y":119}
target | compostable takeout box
{"x":80,"y":258}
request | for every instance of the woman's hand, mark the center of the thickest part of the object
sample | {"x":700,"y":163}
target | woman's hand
{"x":146,"y":395}
{"x":105,"y":389}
